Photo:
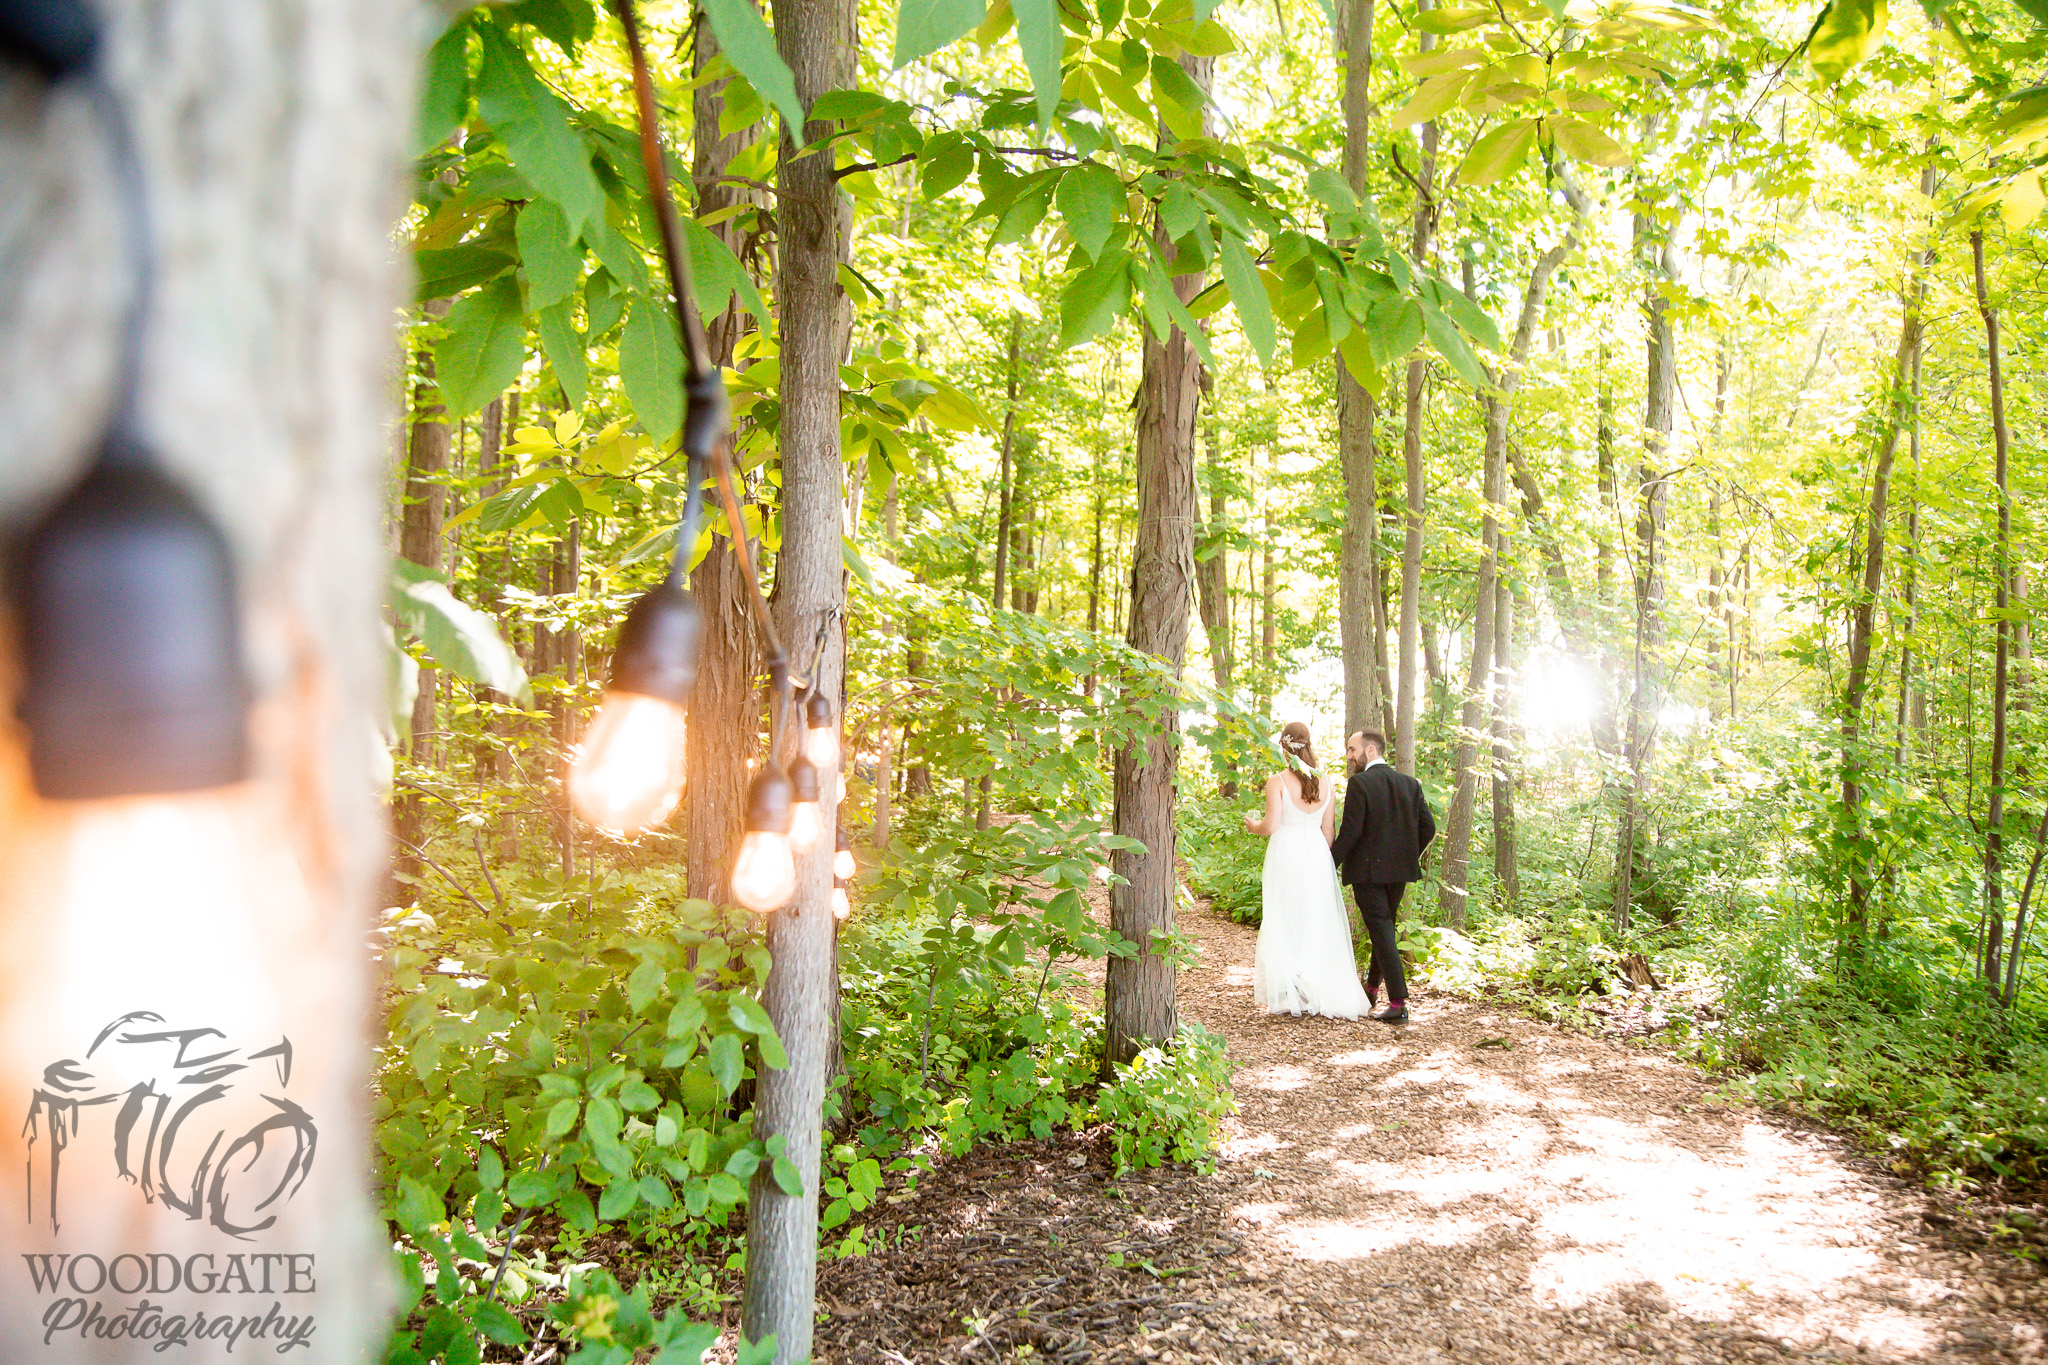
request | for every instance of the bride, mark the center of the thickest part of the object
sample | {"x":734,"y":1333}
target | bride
{"x":1304,"y":963}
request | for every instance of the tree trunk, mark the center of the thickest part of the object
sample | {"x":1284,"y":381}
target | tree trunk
{"x":1095,"y":569}
{"x":1660,"y":386}
{"x":813,"y":225}
{"x":1507,"y":878}
{"x":267,"y":364}
{"x":1863,"y":613}
{"x":1411,"y":455}
{"x":1269,"y":628}
{"x":995,"y":596}
{"x":723,"y":735}
{"x":1909,"y":594}
{"x":1452,"y":893}
{"x":1994,"y":819}
{"x":1212,"y":575}
{"x":1358,"y":586}
{"x":1139,"y":1007}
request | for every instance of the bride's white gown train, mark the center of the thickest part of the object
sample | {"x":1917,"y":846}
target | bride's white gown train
{"x":1304,"y":963}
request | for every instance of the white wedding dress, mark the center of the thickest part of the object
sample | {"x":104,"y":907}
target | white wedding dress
{"x":1304,"y":963}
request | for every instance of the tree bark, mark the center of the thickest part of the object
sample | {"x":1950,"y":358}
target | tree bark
{"x":1994,"y":818}
{"x":1863,"y":613}
{"x":1411,"y":455}
{"x":1452,"y":892}
{"x":267,"y":385}
{"x":1139,"y":1005}
{"x":1212,"y":575}
{"x":1660,"y":386}
{"x":813,"y":225}
{"x":1358,"y":567}
{"x":723,"y":735}
{"x":1507,"y":878}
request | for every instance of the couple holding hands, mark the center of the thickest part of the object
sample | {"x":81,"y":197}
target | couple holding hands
{"x":1304,"y":963}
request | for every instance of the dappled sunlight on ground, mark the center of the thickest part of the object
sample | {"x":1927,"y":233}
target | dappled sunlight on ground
{"x":1417,"y":1196}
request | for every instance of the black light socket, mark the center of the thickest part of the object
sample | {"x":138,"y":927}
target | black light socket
{"x":131,"y":639}
{"x":57,"y":37}
{"x":768,"y":801}
{"x":656,"y":655}
{"x":803,"y":779}
{"x":817,"y":710}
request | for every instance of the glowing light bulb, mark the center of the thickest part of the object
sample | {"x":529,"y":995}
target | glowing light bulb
{"x":628,"y":772}
{"x":806,"y":827}
{"x":806,"y":818}
{"x":841,"y":907}
{"x":821,"y":737}
{"x":763,"y":872}
{"x":842,"y":865}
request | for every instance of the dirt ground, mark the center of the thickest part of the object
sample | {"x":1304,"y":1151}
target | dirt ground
{"x":1472,"y":1187}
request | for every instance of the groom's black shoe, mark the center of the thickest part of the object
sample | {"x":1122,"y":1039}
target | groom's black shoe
{"x":1393,"y":1014}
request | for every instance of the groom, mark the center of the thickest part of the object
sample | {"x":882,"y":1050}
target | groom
{"x":1378,"y":852}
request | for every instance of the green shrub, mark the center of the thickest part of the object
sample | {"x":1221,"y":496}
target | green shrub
{"x":1169,"y":1104}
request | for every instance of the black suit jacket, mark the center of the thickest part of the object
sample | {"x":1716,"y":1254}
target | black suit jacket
{"x":1386,"y":826}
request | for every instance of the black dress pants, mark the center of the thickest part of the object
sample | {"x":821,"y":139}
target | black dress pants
{"x":1377,"y":902}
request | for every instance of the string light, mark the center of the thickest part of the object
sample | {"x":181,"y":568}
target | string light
{"x":821,"y":739}
{"x":628,"y":774}
{"x":841,"y":907}
{"x":842,"y":861}
{"x":806,"y":817}
{"x":764,"y":870}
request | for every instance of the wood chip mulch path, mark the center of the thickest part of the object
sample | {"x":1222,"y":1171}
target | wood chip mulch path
{"x":1473,"y":1187}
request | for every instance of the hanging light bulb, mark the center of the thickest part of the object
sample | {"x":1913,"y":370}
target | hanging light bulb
{"x":821,"y":736}
{"x":841,"y":906}
{"x":627,"y":774}
{"x":842,"y":860}
{"x":764,"y":871}
{"x":806,"y":817}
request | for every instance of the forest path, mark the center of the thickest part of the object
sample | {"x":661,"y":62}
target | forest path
{"x":1478,"y":1186}
{"x":1474,"y":1186}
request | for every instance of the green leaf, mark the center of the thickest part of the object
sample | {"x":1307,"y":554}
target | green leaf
{"x":1431,"y":98}
{"x":651,"y":366}
{"x":547,"y":249}
{"x":717,"y":276}
{"x":788,"y":1177}
{"x":444,"y":271}
{"x":688,"y":1345}
{"x":643,"y":985}
{"x":1091,"y":197}
{"x":728,"y":1060}
{"x":1248,"y":292}
{"x":535,"y":129}
{"x":1331,"y":190}
{"x":565,"y":350}
{"x":946,"y":162}
{"x":419,"y":1208}
{"x":1581,"y":141}
{"x":1039,"y":34}
{"x":495,"y":1321}
{"x":1170,"y":81}
{"x":760,"y":1352}
{"x":1452,"y":18}
{"x":1498,"y":154}
{"x":1452,"y":346}
{"x":1846,"y":33}
{"x":744,"y":38}
{"x":561,"y":1118}
{"x":444,"y":90}
{"x":1467,"y":314}
{"x":531,"y":1188}
{"x":925,"y":26}
{"x":483,"y":347}
{"x":1095,"y":299}
{"x":490,"y":1168}
{"x":455,"y":635}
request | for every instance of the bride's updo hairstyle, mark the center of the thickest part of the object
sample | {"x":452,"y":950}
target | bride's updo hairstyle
{"x":1295,"y":741}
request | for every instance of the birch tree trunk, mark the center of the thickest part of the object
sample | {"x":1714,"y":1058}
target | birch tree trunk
{"x":274,"y":144}
{"x":1139,"y":1005}
{"x":813,"y":222}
